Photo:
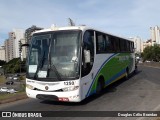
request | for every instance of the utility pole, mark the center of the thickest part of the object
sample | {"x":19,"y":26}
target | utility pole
{"x":20,"y":51}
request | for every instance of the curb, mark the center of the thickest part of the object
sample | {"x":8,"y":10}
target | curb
{"x":14,"y":98}
{"x":153,"y":66}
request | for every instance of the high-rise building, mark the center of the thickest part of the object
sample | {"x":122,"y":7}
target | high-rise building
{"x":138,"y":44}
{"x":2,"y":53}
{"x":12,"y":45}
{"x":23,"y":50}
{"x":19,"y":34}
{"x":7,"y":52}
{"x":155,"y":35}
{"x":147,"y":43}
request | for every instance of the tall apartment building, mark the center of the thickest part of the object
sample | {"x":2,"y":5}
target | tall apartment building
{"x":155,"y":35}
{"x":147,"y":43}
{"x":12,"y":44}
{"x":19,"y":34}
{"x":2,"y":53}
{"x":24,"y":49}
{"x":7,"y":52}
{"x":138,"y":44}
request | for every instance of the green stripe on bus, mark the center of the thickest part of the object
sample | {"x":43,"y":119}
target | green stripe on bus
{"x":113,"y":67}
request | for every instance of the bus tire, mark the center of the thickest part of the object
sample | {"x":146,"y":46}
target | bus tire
{"x":136,"y":69}
{"x":127,"y":74}
{"x":100,"y":86}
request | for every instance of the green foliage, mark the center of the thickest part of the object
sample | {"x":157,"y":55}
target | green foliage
{"x":2,"y":62}
{"x":151,"y":53}
{"x":22,"y":78}
{"x":13,"y":66}
{"x":2,"y":79}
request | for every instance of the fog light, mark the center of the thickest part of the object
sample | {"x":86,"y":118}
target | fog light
{"x":29,"y":86}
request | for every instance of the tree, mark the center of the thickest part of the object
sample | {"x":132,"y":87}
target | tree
{"x":13,"y":66}
{"x":2,"y":62}
{"x":147,"y":53}
{"x":151,"y":53}
{"x":156,"y":53}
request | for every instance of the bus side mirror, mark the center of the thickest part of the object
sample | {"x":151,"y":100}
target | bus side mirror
{"x":87,"y":56}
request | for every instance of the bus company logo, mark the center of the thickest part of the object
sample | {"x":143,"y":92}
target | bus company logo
{"x":46,"y":87}
{"x":6,"y":114}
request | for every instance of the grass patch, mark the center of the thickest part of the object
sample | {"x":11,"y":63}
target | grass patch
{"x":2,"y":79}
{"x":4,"y":96}
{"x":22,"y":77}
{"x":8,"y":97}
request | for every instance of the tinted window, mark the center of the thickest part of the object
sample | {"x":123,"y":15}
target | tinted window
{"x":88,"y":44}
{"x":108,"y":44}
{"x":117,"y":49}
{"x":101,"y":43}
{"x":111,"y":44}
{"x":122,"y":45}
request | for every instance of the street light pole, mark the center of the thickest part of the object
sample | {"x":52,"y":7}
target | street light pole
{"x":20,"y":51}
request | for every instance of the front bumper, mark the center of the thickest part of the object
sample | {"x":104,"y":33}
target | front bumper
{"x":72,"y":96}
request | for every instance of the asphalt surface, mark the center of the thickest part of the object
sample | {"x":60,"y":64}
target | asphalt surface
{"x":141,"y":92}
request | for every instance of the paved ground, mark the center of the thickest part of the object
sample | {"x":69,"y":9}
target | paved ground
{"x":140,"y":93}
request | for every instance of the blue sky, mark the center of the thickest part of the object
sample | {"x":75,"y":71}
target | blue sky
{"x":128,"y":18}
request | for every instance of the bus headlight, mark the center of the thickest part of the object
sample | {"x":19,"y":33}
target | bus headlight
{"x":72,"y":88}
{"x":29,"y":86}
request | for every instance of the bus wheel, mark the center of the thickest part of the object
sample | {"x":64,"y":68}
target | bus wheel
{"x":100,"y":86}
{"x":136,"y":69}
{"x":127,"y":74}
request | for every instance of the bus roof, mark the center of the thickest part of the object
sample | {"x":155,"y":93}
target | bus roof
{"x":83,"y":28}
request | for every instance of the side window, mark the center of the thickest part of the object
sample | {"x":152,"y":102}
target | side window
{"x":88,"y":44}
{"x":127,"y":46}
{"x":117,"y":45}
{"x":131,"y":46}
{"x":101,"y":43}
{"x":113,"y":44}
{"x":122,"y":45}
{"x":108,"y":44}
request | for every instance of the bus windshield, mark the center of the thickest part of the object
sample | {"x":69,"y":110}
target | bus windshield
{"x":54,"y":55}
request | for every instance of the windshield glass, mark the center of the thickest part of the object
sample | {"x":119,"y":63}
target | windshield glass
{"x":54,"y":55}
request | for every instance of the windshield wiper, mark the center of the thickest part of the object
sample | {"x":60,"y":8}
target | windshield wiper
{"x":40,"y":64}
{"x":53,"y":68}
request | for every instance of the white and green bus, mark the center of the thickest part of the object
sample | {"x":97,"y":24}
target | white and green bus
{"x":72,"y":63}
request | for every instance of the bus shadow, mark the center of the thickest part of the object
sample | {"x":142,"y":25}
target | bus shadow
{"x":108,"y":89}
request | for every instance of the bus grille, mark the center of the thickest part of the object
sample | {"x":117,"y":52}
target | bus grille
{"x":59,"y":90}
{"x":47,"y":97}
